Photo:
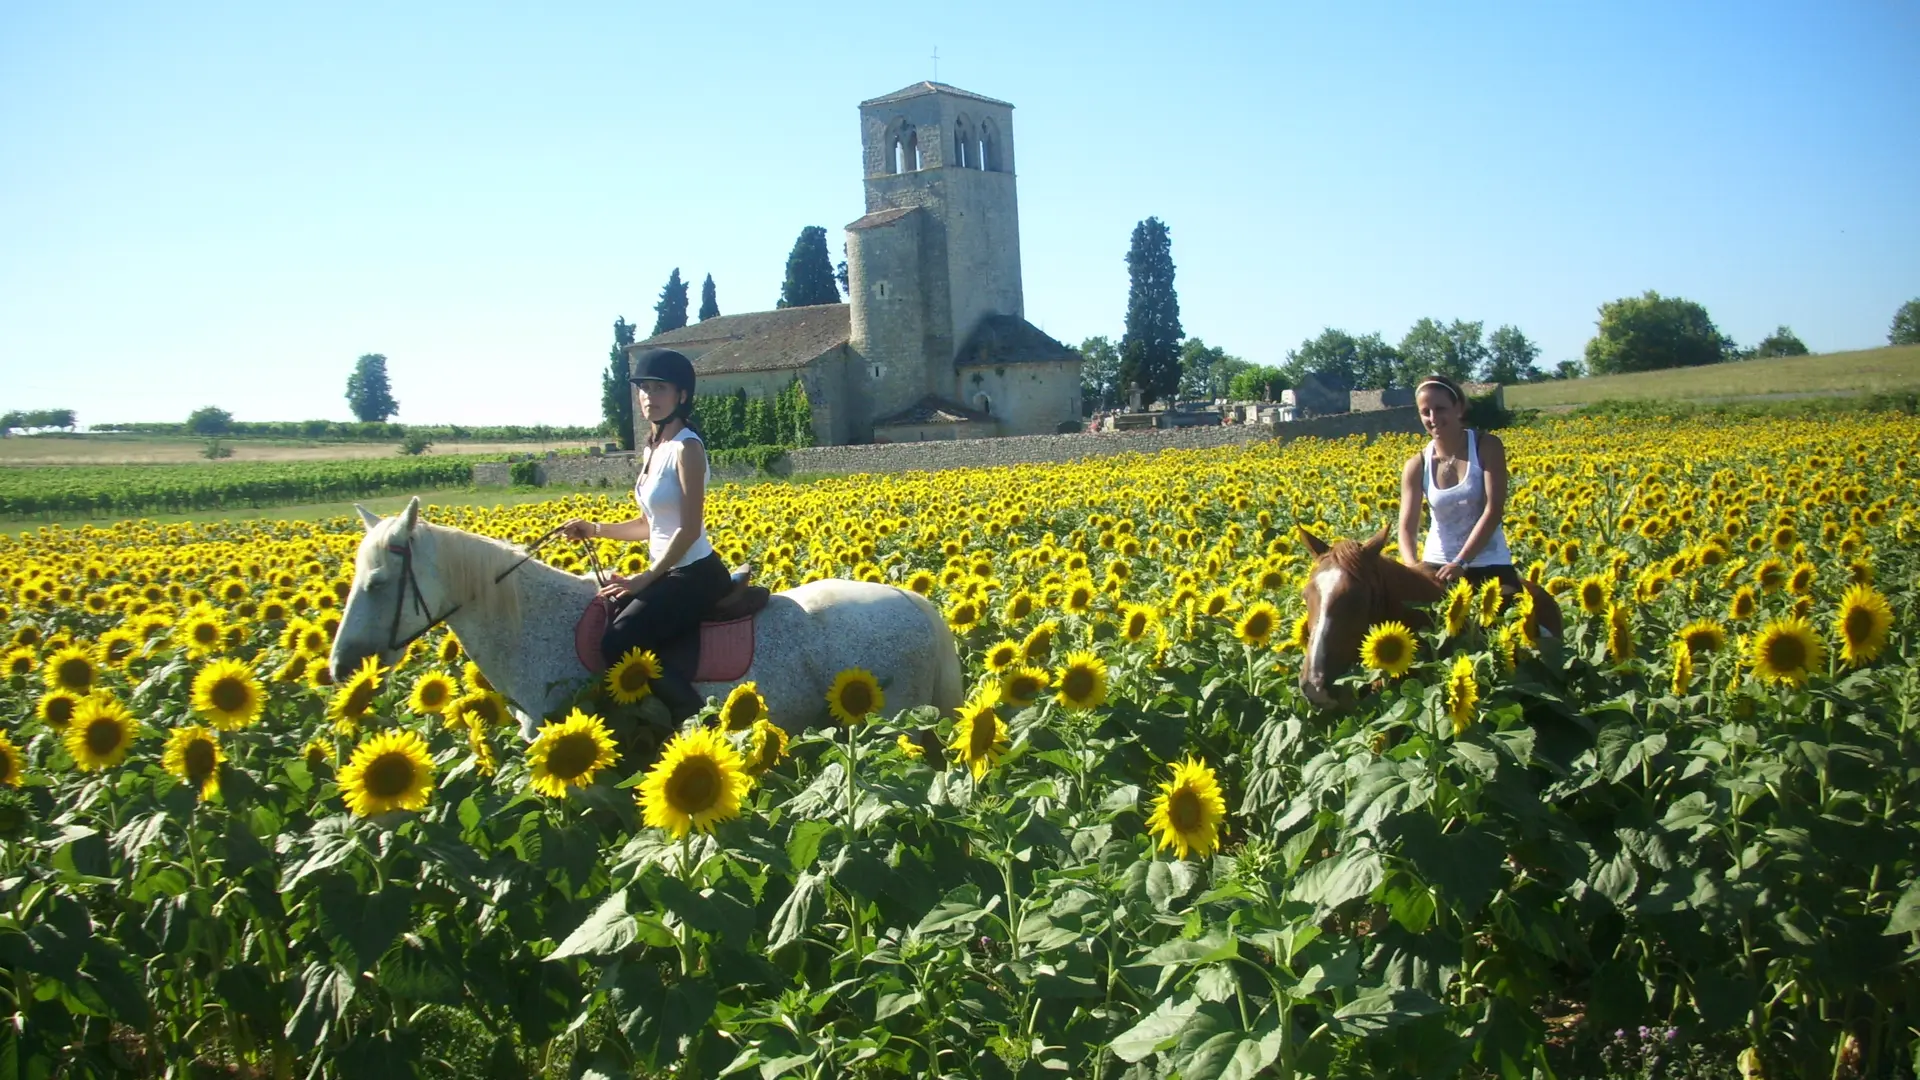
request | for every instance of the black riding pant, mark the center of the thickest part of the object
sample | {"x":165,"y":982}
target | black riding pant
{"x":1508,"y":577}
{"x":667,"y":610}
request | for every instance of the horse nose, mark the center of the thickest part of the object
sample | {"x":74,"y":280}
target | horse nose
{"x":1315,"y":690}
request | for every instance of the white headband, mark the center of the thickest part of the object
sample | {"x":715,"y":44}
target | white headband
{"x":1436,"y":382}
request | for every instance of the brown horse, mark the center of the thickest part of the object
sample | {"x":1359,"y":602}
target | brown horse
{"x":1352,"y":588}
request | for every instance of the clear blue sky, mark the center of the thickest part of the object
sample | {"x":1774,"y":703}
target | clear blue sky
{"x":226,"y":205}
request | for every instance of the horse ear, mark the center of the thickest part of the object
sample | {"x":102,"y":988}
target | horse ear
{"x":1376,"y":544}
{"x":1314,"y":543}
{"x":368,"y":519}
{"x":411,"y":515}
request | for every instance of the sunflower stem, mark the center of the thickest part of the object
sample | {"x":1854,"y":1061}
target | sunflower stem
{"x":853,"y":832}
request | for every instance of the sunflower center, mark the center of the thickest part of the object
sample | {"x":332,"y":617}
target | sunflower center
{"x":487,"y":709}
{"x":389,"y":776}
{"x":119,"y":650}
{"x":205,"y":633}
{"x":1258,"y":625}
{"x":856,"y":699}
{"x":103,"y":737}
{"x":572,"y":756}
{"x":981,"y":737}
{"x":198,"y":759}
{"x":76,"y":673}
{"x":742,"y":712}
{"x":1858,"y":626}
{"x":1077,"y":684}
{"x":694,"y":786}
{"x":1388,"y":650}
{"x":633,"y":679}
{"x":229,"y":696}
{"x":1023,"y":687}
{"x":1002,"y":656}
{"x":1021,"y":607}
{"x":59,"y":711}
{"x":433,"y":695}
{"x":1136,"y":625}
{"x":359,"y":699}
{"x":1184,"y":812}
{"x":1786,"y":653}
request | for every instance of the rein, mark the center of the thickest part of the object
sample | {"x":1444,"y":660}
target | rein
{"x":410,"y":585}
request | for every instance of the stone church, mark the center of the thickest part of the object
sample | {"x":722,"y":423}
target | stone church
{"x":934,"y":342}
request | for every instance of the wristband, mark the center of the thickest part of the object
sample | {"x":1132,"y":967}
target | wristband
{"x":596,"y":528}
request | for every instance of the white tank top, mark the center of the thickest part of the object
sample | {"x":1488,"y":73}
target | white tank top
{"x":1457,"y":509}
{"x":659,"y":497}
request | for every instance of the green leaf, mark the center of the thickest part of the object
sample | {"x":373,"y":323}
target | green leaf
{"x":1214,"y":1046}
{"x":1156,"y":1031}
{"x":895,"y":1003}
{"x":608,"y":930}
{"x":326,"y":989}
{"x":1217,"y":945}
{"x":360,"y":927}
{"x":1332,"y":882}
{"x":804,"y":845}
{"x":1378,"y":1010}
{"x":798,"y":911}
{"x":1617,"y":880}
{"x":961,"y":908}
{"x":1906,"y":913}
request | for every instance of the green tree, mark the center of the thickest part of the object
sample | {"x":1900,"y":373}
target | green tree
{"x":1376,"y":364}
{"x":1099,"y":374}
{"x":1330,"y":356}
{"x":810,"y":278}
{"x":1651,"y":332}
{"x":616,"y":394}
{"x":1150,"y":349}
{"x":1206,"y":370}
{"x":1453,"y":350}
{"x":671,"y":312}
{"x":1906,"y":324}
{"x":1258,"y":383}
{"x":1468,"y":346}
{"x":368,"y":393}
{"x":1569,"y":369}
{"x":1510,"y":360}
{"x":1782,"y":342}
{"x":709,"y":301}
{"x":209,"y":421}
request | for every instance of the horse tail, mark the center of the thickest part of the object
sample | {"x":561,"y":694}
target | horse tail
{"x":948,"y":688}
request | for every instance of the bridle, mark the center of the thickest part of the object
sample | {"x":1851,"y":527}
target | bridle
{"x":410,"y":586}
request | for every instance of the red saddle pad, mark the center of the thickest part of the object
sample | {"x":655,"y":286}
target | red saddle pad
{"x":726,"y":648}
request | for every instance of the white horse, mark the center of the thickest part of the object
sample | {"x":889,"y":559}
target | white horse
{"x":410,"y":574}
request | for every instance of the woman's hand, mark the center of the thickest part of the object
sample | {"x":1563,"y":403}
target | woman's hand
{"x":580,"y":529}
{"x":617,"y":586}
{"x":1448,"y":573}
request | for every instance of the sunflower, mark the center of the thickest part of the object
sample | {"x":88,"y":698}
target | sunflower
{"x":1526,"y":619}
{"x":631,"y":679}
{"x":1702,"y":636}
{"x":1083,"y":681}
{"x":1038,"y":644}
{"x":484,"y":761}
{"x":1003,"y":655}
{"x":57,"y":708}
{"x":388,"y":771}
{"x":432,"y":693}
{"x":316,"y":753}
{"x":1216,"y":603}
{"x":1786,"y":651}
{"x":294,"y":670}
{"x":1770,"y":575}
{"x":1078,"y":599}
{"x":449,"y":651}
{"x":1257,"y":623}
{"x":1595,"y":594}
{"x":481,"y":710}
{"x":1188,"y":811}
{"x":1490,"y":601}
{"x":698,"y":781}
{"x":567,"y":753}
{"x":313,"y":639}
{"x":1620,"y":644}
{"x":226,"y":693}
{"x":1020,"y":605}
{"x":71,"y":668}
{"x":1861,"y":624}
{"x":201,"y":632}
{"x":855,"y":695}
{"x":1801,"y":583}
{"x":1743,"y":604}
{"x":1682,"y":668}
{"x":119,"y":646}
{"x":101,"y":732}
{"x":1459,"y":607}
{"x":19,"y":661}
{"x":964,"y":615}
{"x":11,"y":766}
{"x":1463,"y":693}
{"x":1389,"y":648}
{"x":766,"y":746}
{"x":355,"y":696}
{"x":193,"y":754}
{"x":1136,"y":620}
{"x":980,"y":736}
{"x":475,"y":679}
{"x":1022,"y":686}
{"x":913,"y":750}
{"x":743,"y":708}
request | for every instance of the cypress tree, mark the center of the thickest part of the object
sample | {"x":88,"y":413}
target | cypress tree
{"x":616,"y":396}
{"x":368,"y":393}
{"x":809,"y":272}
{"x":709,"y":302}
{"x":1150,"y":351}
{"x":671,"y":311}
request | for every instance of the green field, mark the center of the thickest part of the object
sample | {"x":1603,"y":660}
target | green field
{"x":1869,"y":371}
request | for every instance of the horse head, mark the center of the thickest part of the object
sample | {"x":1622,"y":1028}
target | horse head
{"x":1352,"y":586}
{"x":395,"y":564}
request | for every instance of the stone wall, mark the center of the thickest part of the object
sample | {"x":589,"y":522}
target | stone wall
{"x":617,"y":471}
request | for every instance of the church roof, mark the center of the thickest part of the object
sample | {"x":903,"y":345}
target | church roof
{"x":759,"y":341}
{"x":882,"y":217}
{"x":1009,"y":339}
{"x":922,"y":88}
{"x":932,"y":410}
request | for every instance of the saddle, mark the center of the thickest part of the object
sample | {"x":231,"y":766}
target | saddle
{"x":721,"y":652}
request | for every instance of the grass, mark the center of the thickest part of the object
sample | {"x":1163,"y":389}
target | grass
{"x":108,"y":448}
{"x":379,"y":504}
{"x":1870,"y":371}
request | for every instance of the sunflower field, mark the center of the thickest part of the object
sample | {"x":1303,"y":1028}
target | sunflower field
{"x":1685,"y":832}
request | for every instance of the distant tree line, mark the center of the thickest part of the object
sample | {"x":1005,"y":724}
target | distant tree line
{"x":218,"y":422}
{"x":22,"y":420}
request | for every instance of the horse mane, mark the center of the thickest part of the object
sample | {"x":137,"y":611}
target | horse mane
{"x":467,"y":564}
{"x":1394,"y":584}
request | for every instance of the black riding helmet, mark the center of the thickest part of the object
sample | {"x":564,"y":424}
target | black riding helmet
{"x":667,"y":366}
